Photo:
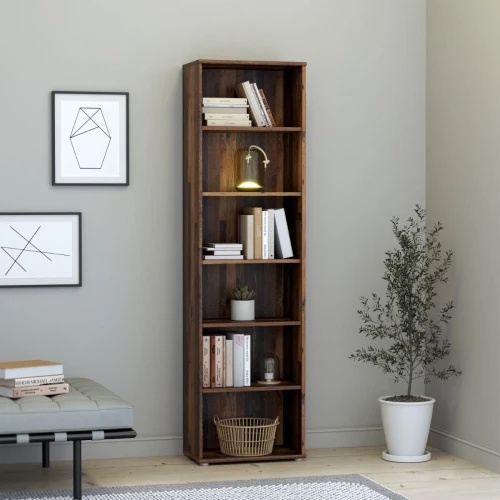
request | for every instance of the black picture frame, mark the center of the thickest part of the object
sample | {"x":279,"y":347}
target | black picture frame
{"x":79,"y":260}
{"x":57,"y":181}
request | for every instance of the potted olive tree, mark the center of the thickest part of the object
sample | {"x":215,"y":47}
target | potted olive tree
{"x":411,"y":330}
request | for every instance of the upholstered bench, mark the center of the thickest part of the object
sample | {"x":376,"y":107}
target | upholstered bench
{"x":88,"y":411}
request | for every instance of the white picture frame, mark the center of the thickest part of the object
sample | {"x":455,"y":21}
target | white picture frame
{"x":40,"y":249}
{"x":90,"y":143}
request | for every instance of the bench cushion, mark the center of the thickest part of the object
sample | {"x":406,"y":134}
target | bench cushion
{"x":87,"y":406}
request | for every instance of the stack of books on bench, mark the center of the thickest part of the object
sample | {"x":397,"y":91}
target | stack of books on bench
{"x":222,"y":251}
{"x":19,"y":379}
{"x":226,"y":112}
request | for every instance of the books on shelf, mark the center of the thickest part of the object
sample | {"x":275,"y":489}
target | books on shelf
{"x":224,"y":362}
{"x":264,"y":234}
{"x":268,"y":109}
{"x":258,"y":105}
{"x":222,"y":251}
{"x":36,"y":377}
{"x":226,"y":112}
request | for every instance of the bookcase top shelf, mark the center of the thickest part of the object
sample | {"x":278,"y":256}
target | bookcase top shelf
{"x":221,"y":64}
{"x":255,"y":387}
{"x":227,"y":323}
{"x":251,"y":261}
{"x":242,"y":193}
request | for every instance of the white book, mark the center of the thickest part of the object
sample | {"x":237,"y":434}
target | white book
{"x":270,"y":226}
{"x":247,"y":362}
{"x":224,"y":100}
{"x":229,"y":363}
{"x":261,"y":105}
{"x":31,"y":368}
{"x":238,"y":358}
{"x":229,"y":123}
{"x":213,"y":251}
{"x":29,"y":381}
{"x":236,"y":109}
{"x":219,"y":359}
{"x":206,"y":361}
{"x":246,"y":235}
{"x":265,"y":234}
{"x":227,"y":116}
{"x":224,"y":361}
{"x":245,"y":89}
{"x":283,"y":245}
{"x":223,"y":257}
{"x":225,"y":246}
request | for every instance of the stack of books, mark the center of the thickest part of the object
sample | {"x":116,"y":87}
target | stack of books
{"x":222,"y":251}
{"x":264,"y":234}
{"x":259,"y":107}
{"x":226,"y":112}
{"x":19,"y":379}
{"x":226,"y":360}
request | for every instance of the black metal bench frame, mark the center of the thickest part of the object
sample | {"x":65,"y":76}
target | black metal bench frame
{"x":77,"y":437}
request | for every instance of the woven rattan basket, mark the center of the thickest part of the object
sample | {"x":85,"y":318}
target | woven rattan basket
{"x":246,"y":437}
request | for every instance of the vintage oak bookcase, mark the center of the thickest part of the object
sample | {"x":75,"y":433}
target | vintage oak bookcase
{"x":211,"y":207}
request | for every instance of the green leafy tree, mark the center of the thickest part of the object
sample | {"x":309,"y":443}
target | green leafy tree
{"x":412,"y":271}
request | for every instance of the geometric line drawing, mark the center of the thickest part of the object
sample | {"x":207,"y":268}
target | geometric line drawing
{"x":90,"y":138}
{"x":25,"y":249}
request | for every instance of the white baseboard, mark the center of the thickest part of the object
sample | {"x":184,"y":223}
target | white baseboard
{"x":473,"y":452}
{"x":172,"y":445}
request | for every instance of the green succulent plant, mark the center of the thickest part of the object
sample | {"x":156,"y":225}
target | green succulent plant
{"x":243,"y":292}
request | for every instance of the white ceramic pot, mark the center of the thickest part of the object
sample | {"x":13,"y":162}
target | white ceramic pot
{"x":242,"y":310}
{"x":406,"y":429}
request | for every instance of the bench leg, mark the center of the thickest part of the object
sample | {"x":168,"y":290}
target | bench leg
{"x":77,"y":470}
{"x":45,"y":454}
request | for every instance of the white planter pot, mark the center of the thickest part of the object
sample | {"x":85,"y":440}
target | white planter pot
{"x":406,"y":429}
{"x":242,"y":310}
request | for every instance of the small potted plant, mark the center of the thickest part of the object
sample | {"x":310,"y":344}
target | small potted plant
{"x":411,"y":331}
{"x":243,"y":304}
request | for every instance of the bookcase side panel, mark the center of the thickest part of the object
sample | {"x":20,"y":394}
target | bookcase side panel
{"x":191,"y":262}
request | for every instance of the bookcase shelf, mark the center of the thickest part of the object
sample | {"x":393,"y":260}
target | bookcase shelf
{"x":265,"y":130}
{"x":255,"y":387}
{"x":211,"y":206}
{"x":227,"y":323}
{"x":241,"y":193}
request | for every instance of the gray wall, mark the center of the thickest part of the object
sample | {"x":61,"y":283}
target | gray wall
{"x":365,"y":163}
{"x":463,"y":178}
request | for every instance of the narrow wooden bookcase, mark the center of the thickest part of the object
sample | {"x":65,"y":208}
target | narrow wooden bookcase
{"x":211,"y":207}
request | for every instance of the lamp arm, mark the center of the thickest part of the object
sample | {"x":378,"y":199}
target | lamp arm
{"x":266,"y":161}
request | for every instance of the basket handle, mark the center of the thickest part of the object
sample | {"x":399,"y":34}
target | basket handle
{"x":216,"y":419}
{"x":277,"y":421}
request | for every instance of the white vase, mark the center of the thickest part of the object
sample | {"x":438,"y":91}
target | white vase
{"x":242,"y":310}
{"x":406,"y":429}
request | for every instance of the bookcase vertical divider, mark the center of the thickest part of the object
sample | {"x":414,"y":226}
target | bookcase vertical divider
{"x":211,"y":205}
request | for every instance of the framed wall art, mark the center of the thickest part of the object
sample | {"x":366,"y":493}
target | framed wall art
{"x":90,"y":138}
{"x":40,"y":249}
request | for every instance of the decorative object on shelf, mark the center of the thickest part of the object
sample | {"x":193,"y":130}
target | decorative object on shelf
{"x":246,"y":437}
{"x":40,"y":249}
{"x":407,"y":318}
{"x":250,"y":169}
{"x":90,"y":138}
{"x":243,"y":303}
{"x":269,"y":369}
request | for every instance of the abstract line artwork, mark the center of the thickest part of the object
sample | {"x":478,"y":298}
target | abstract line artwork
{"x":90,"y":138}
{"x":29,"y":246}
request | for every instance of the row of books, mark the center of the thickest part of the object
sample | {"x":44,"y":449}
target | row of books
{"x":222,"y":251}
{"x":264,"y":234}
{"x":226,"y":112}
{"x":226,"y":360}
{"x":259,"y":107}
{"x":19,"y":379}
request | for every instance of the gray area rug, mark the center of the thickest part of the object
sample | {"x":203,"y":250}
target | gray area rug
{"x":349,"y":487}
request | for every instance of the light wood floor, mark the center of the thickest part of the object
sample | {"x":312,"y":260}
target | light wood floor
{"x":445,"y":477}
